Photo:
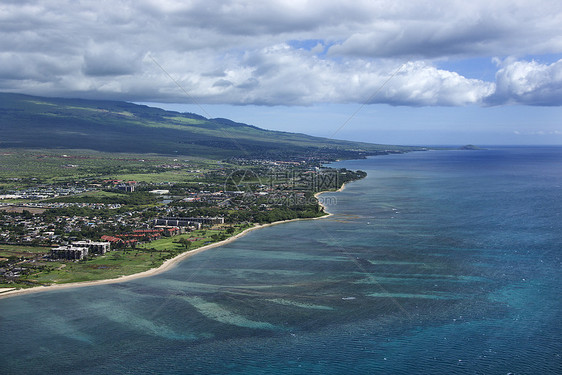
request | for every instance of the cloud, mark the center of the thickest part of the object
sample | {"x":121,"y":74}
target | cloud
{"x":252,"y":18}
{"x":538,"y":133}
{"x":110,"y":59}
{"x":282,"y":75}
{"x":422,"y":84}
{"x":528,"y":82}
{"x":32,"y":66}
{"x":279,"y":52}
{"x":456,"y":28}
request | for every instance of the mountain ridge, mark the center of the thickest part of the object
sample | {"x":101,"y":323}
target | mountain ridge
{"x":115,"y":126}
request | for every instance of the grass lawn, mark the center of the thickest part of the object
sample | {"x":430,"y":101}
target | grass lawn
{"x":49,"y":166}
{"x":110,"y":266}
{"x":21,"y":250}
{"x":100,"y":194}
{"x":176,"y":176}
{"x":204,"y":237}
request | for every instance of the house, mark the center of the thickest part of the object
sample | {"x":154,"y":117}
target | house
{"x":111,"y":239}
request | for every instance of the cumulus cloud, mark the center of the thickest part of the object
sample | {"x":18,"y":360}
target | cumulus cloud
{"x":528,"y":82}
{"x":421,"y":84}
{"x":279,"y":52}
{"x":281,"y":74}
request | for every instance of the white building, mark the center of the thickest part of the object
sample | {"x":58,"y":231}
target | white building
{"x":94,"y":247}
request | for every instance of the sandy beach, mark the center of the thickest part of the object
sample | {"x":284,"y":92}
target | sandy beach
{"x":168,"y":264}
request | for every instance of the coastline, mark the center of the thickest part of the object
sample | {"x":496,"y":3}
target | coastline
{"x":168,"y":264}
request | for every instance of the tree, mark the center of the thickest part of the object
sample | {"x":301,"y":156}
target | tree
{"x":185,"y":243}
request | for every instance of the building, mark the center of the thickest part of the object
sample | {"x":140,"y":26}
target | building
{"x":111,"y":239}
{"x":160,"y":192}
{"x":118,"y":242}
{"x":162,"y":230}
{"x":69,"y":252}
{"x":128,"y":187}
{"x":166,"y":222}
{"x":94,"y":247}
{"x":188,"y":221}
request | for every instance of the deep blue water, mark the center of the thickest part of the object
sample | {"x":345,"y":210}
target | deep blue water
{"x":440,"y":262}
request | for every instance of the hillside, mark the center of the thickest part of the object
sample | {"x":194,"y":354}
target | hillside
{"x":113,"y":126}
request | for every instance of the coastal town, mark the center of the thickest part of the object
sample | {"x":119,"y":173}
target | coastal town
{"x":92,"y":223}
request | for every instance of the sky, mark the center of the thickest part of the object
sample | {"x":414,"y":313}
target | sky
{"x":382,"y":71}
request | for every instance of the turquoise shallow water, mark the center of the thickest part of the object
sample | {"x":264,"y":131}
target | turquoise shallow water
{"x":437,"y":263}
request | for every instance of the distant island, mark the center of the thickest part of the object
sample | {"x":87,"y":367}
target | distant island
{"x":470,"y":147}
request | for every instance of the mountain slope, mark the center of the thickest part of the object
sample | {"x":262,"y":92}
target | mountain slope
{"x":112,"y":126}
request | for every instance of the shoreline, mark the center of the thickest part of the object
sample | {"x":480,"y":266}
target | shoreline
{"x":168,"y":264}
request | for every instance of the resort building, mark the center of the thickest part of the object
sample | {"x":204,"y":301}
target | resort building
{"x":188,"y":221}
{"x":94,"y":247}
{"x":166,"y":222}
{"x":69,"y":252}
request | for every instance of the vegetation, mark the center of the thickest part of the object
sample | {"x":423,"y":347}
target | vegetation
{"x":131,"y":199}
{"x":111,"y":126}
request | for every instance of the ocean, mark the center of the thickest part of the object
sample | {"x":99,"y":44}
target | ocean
{"x":439,"y":262}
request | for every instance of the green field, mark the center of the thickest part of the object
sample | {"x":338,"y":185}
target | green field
{"x":23,"y":168}
{"x":171,"y":243}
{"x":162,"y":177}
{"x":110,"y":266}
{"x":22,"y":250}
